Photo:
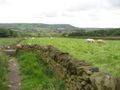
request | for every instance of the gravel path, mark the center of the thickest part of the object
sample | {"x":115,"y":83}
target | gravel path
{"x":14,"y":75}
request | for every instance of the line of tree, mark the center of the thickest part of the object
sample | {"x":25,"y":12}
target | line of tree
{"x":96,"y":33}
{"x":7,"y":33}
{"x":4,"y":32}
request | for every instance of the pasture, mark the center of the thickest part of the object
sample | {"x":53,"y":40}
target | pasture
{"x":35,"y":75}
{"x":8,"y":41}
{"x":105,"y":56}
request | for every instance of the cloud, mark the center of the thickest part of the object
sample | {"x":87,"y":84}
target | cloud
{"x":95,"y":5}
{"x":114,"y":3}
{"x":82,"y":7}
{"x":67,"y":14}
{"x":82,"y":13}
{"x":3,"y":2}
{"x":50,"y":14}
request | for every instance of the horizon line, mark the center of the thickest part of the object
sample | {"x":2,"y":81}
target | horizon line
{"x":54,"y":24}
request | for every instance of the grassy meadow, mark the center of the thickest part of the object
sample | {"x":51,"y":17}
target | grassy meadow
{"x":105,"y":56}
{"x":3,"y":72}
{"x":8,"y":41}
{"x":35,"y":75}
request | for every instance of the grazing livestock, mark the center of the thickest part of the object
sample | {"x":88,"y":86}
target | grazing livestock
{"x":100,"y":41}
{"x":32,"y":38}
{"x":18,"y":45}
{"x":90,"y":40}
{"x":51,"y":37}
{"x":8,"y":47}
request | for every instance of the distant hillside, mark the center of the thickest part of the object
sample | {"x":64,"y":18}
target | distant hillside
{"x":38,"y":26}
{"x":40,"y":29}
{"x":32,"y":27}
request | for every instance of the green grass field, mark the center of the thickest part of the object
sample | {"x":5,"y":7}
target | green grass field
{"x":8,"y":41}
{"x":35,"y":75}
{"x":105,"y":56}
{"x":3,"y":72}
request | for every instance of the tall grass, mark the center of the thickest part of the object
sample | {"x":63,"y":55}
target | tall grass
{"x":3,"y":72}
{"x":36,"y":75}
{"x":105,"y":56}
{"x":8,"y":41}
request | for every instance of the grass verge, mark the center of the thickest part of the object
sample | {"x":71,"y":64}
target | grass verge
{"x":3,"y":72}
{"x":36,"y":75}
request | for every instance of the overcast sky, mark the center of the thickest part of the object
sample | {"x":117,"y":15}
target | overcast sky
{"x":81,"y":13}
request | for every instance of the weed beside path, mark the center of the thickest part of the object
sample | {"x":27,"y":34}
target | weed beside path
{"x":3,"y":71}
{"x":35,"y":75}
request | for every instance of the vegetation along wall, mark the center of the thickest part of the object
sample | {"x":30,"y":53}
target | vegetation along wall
{"x":77,"y":74}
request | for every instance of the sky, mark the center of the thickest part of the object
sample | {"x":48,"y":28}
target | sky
{"x":80,"y":13}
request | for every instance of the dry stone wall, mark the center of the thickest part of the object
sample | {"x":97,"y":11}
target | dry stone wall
{"x":77,"y":74}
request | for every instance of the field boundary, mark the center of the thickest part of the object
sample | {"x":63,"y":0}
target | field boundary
{"x":78,"y":74}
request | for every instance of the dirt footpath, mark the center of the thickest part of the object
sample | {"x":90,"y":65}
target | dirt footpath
{"x":14,"y":75}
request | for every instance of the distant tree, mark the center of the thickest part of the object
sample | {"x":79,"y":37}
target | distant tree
{"x":98,"y":33}
{"x":7,"y":33}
